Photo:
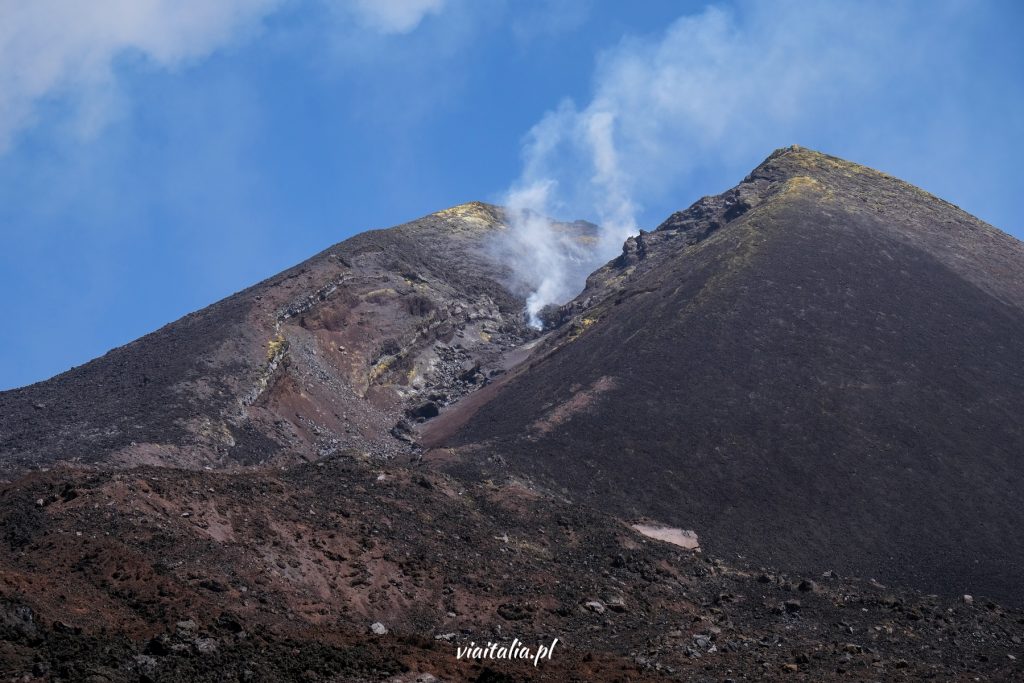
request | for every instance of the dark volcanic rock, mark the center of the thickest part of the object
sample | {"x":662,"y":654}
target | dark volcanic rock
{"x":324,"y":356}
{"x":425,"y":410}
{"x":820,"y":368}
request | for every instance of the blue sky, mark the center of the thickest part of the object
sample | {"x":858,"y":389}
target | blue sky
{"x":156,"y":156}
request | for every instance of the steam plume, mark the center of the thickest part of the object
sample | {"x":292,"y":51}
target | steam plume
{"x":718,"y":88}
{"x":550,"y":260}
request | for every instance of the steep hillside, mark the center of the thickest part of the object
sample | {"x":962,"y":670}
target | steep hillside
{"x":328,"y":355}
{"x":819,"y":368}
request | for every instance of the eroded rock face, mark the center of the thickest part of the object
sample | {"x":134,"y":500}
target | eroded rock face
{"x":324,"y":357}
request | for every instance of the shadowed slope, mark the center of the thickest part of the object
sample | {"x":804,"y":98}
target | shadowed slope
{"x":819,"y":369}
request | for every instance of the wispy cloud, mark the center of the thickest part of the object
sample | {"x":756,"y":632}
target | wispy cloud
{"x":68,"y":49}
{"x":547,"y":18}
{"x":715,"y":84}
{"x":394,"y":16}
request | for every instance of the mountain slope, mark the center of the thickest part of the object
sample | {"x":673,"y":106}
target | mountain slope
{"x":820,"y":368}
{"x":325,"y":356}
{"x":351,"y":470}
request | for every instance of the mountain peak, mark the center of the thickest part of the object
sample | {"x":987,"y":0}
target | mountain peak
{"x":472,"y":216}
{"x":785,"y":171}
{"x":812,"y":336}
{"x":473,"y":208}
{"x":788,"y":162}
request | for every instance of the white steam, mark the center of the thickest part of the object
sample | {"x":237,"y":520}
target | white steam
{"x":551,"y":260}
{"x":547,"y":260}
{"x":718,"y":88}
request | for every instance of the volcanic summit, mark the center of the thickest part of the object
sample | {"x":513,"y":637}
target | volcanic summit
{"x":815,"y":377}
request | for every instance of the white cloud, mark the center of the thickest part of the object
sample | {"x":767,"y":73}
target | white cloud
{"x":718,"y":84}
{"x":395,"y":16}
{"x":67,"y":48}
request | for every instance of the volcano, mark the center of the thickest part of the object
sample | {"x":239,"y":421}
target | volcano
{"x":779,"y":434}
{"x":822,"y":365}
